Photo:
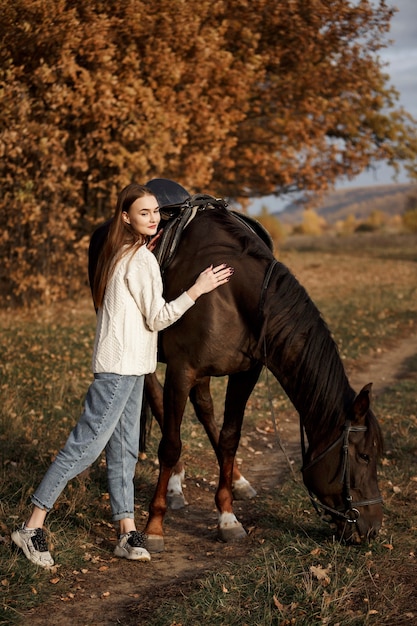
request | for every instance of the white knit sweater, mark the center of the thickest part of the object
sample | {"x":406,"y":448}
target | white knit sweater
{"x":133,"y":312}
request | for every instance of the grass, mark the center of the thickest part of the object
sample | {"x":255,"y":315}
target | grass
{"x":295,"y":573}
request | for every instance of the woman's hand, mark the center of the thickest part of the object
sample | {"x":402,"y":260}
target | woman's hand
{"x":210,"y":279}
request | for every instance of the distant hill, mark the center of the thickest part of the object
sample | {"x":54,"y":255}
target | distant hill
{"x":358,"y":201}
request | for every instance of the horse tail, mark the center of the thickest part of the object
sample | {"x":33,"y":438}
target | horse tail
{"x":146,"y":419}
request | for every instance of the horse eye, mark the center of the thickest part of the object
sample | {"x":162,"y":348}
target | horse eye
{"x":364,"y":457}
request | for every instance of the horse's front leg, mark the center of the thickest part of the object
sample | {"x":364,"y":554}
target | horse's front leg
{"x":157,"y":509}
{"x":175,"y":397}
{"x":239,"y":388}
{"x":154,"y":394}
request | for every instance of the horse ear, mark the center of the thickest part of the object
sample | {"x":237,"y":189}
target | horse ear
{"x":362,"y":403}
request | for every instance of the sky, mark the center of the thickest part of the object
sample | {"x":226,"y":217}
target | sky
{"x":401,"y":57}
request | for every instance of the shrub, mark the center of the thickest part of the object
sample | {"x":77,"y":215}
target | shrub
{"x":272,"y":225}
{"x":410,"y":220}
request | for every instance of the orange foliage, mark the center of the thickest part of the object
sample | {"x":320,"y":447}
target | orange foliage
{"x":240,"y":98}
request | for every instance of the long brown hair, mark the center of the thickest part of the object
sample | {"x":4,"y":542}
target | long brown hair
{"x":120,"y":240}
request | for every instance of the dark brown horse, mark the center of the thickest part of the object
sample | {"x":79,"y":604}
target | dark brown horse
{"x":263,"y":317}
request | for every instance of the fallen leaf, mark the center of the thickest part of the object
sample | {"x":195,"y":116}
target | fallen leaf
{"x":321,"y":574}
{"x":280,"y":607}
{"x":54,"y":581}
{"x":224,"y":589}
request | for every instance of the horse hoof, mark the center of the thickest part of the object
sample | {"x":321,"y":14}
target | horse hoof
{"x":154,"y":543}
{"x":243,"y":492}
{"x":232,"y":533}
{"x":176,"y":501}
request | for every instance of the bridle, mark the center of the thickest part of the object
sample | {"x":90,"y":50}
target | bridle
{"x":350,"y":513}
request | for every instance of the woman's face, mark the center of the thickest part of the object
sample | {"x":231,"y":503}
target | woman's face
{"x":143,"y":216}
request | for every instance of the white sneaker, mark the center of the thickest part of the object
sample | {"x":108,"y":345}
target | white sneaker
{"x":132,"y":546}
{"x":33,"y":543}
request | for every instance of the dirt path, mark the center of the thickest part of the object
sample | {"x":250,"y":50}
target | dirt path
{"x":112,"y":591}
{"x":385,"y":366}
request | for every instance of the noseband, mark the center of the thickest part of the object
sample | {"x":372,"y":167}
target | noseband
{"x":350,"y":513}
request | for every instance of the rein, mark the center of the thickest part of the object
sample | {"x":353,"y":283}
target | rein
{"x":350,"y":513}
{"x":264,"y":289}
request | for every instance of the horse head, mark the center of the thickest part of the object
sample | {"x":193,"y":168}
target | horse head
{"x":343,"y":476}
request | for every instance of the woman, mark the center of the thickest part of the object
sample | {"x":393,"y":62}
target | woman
{"x":127,"y":293}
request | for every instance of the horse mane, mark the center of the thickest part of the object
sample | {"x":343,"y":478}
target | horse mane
{"x":252,"y":241}
{"x":303,"y":355}
{"x":374,"y":433}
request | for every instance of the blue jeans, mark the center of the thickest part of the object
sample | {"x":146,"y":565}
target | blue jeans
{"x":110,"y":421}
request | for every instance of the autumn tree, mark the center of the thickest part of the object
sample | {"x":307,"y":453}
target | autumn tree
{"x":240,"y":98}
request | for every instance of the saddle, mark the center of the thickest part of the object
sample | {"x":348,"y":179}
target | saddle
{"x":178,"y":216}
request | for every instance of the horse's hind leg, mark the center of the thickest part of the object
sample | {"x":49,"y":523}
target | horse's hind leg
{"x":202,"y":402}
{"x":239,"y":388}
